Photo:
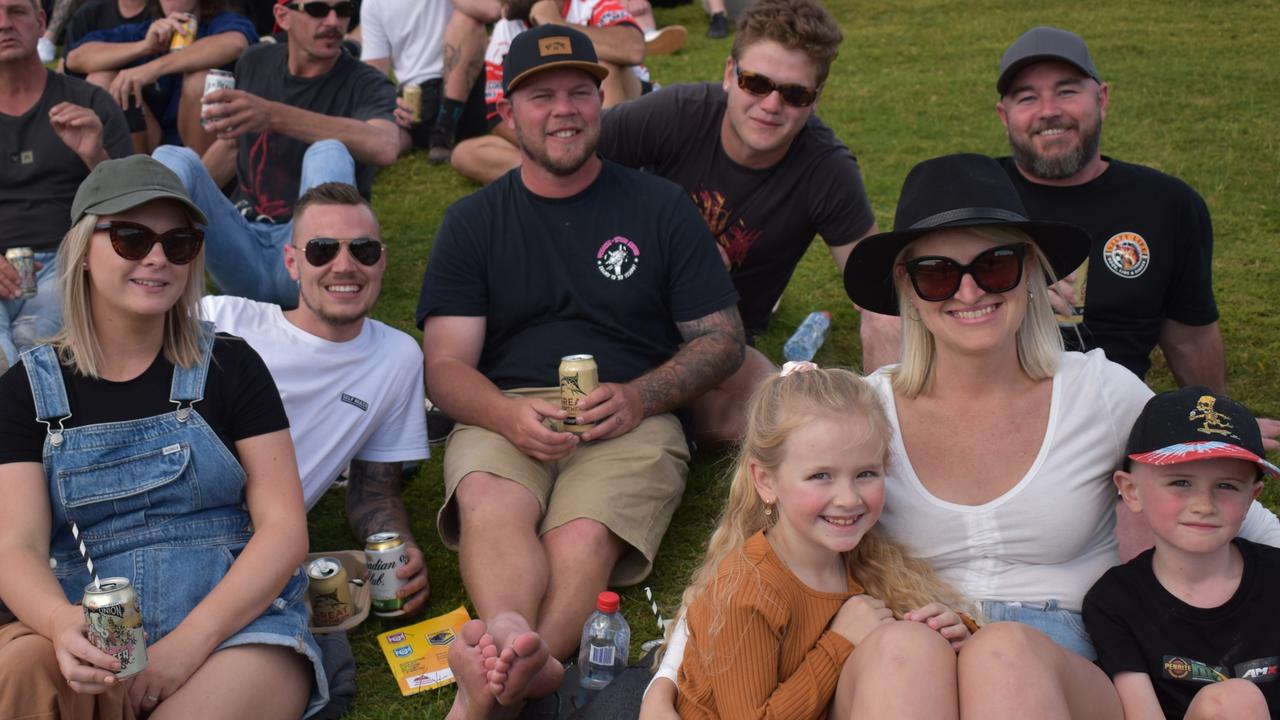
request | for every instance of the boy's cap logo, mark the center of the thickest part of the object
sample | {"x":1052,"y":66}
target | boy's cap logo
{"x":1215,"y":423}
{"x":555,"y":45}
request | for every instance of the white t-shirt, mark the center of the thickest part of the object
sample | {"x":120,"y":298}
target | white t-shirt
{"x":361,"y":399}
{"x":410,"y":32}
{"x":1053,"y":534}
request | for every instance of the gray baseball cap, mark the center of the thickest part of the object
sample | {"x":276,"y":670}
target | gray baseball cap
{"x":1040,"y":44}
{"x":118,"y":185}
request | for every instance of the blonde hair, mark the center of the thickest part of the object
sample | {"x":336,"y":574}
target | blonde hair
{"x":775,"y":410}
{"x":1039,"y":341}
{"x":77,"y":343}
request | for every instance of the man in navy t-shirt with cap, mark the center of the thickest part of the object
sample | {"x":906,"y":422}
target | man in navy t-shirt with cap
{"x":567,"y":254}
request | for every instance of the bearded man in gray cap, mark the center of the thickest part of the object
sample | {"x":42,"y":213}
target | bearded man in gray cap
{"x":1149,"y":272}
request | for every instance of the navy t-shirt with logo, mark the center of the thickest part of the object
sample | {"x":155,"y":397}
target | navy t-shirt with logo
{"x":608,"y":272}
{"x":1138,"y":626}
{"x":1151,"y":256}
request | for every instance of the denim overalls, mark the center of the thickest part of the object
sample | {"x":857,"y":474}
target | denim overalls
{"x":159,"y":500}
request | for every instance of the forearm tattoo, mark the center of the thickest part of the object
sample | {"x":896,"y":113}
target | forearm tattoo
{"x":713,"y":350}
{"x":451,"y":54}
{"x":374,"y":503}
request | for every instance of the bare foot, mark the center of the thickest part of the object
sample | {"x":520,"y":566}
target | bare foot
{"x":467,"y":657}
{"x":524,"y":668}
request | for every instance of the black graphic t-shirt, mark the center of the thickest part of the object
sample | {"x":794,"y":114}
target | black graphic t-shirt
{"x":764,"y":219}
{"x":269,"y":165}
{"x":1138,"y":626}
{"x":40,"y":174}
{"x":1151,"y":258}
{"x":608,"y":272}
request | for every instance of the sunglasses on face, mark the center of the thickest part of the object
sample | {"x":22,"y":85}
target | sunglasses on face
{"x":761,"y":86}
{"x":133,"y":241}
{"x":320,"y":10}
{"x":937,"y":278}
{"x":321,"y":251}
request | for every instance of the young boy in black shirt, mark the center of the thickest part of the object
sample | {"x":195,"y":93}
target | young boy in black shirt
{"x":1188,"y":629}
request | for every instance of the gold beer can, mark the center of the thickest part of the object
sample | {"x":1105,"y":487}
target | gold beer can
{"x":330,"y":592}
{"x":185,"y":36}
{"x":578,"y":377}
{"x":413,"y":96}
{"x":385,"y":553}
{"x":115,"y":623}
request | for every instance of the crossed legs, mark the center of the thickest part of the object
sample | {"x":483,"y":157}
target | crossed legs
{"x":531,"y":593}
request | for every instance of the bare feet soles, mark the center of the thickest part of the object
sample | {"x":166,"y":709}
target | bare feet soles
{"x":524,"y":668}
{"x":467,"y":660}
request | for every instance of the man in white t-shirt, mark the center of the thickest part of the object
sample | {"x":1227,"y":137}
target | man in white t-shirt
{"x":352,"y":386}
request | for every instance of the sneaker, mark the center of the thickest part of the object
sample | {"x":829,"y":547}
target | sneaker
{"x":439,"y":425}
{"x":46,"y":49}
{"x":719,"y":27}
{"x":665,"y":41}
{"x":439,"y":145}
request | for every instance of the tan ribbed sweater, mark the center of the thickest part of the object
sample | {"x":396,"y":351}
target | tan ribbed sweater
{"x":773,"y":657}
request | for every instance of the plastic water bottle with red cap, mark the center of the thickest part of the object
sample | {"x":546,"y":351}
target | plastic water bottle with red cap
{"x":804,"y":344}
{"x":606,"y":640}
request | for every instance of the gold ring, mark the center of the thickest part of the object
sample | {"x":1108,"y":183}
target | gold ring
{"x":153,"y":698}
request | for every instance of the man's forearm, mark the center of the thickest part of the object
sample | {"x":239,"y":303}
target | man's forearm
{"x":713,"y":352}
{"x":96,"y":56}
{"x":367,"y":143}
{"x":464,"y":394}
{"x":1195,"y":354}
{"x":374,"y":502}
{"x":210,"y":52}
{"x":619,"y":44}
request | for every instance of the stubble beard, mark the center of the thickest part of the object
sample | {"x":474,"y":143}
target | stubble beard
{"x":564,"y":166}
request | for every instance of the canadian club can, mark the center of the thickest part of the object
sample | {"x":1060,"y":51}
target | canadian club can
{"x":385,"y":554}
{"x":23,"y":260}
{"x":578,"y":377}
{"x":330,"y":593}
{"x":214,"y":80}
{"x":185,"y":36}
{"x":115,"y":624}
{"x":413,"y":96}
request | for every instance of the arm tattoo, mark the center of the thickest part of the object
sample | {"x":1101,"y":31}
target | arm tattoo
{"x":373,"y":500}
{"x":62,"y":11}
{"x":713,"y":349}
{"x":451,"y":54}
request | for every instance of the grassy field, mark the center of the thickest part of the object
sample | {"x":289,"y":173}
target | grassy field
{"x":1194,"y":93}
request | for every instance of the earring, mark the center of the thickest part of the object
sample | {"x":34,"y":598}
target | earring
{"x":1030,"y":295}
{"x":768,"y":511}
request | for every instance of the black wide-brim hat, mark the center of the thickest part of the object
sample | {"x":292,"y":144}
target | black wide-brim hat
{"x":954,"y":191}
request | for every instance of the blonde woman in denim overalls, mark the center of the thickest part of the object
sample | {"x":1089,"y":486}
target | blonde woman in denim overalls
{"x":202,"y":512}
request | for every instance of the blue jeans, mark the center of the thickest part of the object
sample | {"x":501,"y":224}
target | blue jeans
{"x":244,"y":257}
{"x":1064,"y":627}
{"x":22,"y":322}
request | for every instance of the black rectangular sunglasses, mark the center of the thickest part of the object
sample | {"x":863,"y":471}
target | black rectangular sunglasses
{"x":761,"y":86}
{"x":318,"y":9}
{"x":937,"y":278}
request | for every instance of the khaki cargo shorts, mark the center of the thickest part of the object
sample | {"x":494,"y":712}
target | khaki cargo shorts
{"x":630,"y":484}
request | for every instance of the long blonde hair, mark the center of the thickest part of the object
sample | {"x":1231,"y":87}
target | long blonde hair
{"x":776,"y":409}
{"x":1039,"y":341}
{"x":77,"y":342}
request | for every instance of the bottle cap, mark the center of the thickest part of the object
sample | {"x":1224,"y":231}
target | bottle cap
{"x":607,"y":602}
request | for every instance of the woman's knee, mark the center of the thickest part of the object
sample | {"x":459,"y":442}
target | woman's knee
{"x":899,"y":645}
{"x":1006,"y":645}
{"x":1233,"y":699}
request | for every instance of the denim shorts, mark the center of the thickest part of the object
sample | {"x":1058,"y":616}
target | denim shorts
{"x":1064,"y":627}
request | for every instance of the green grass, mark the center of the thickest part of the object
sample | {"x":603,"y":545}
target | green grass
{"x":1195,"y":93}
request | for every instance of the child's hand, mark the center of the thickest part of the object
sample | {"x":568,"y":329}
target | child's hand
{"x":659,"y":701}
{"x":943,"y":619}
{"x":860,"y":615}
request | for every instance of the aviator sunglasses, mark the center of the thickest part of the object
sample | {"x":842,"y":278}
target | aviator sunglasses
{"x":320,"y":10}
{"x":133,"y":241}
{"x":761,"y":86}
{"x":321,"y":251}
{"x":937,"y":278}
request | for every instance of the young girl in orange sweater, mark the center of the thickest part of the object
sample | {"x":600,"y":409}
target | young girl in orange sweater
{"x":792,"y":613}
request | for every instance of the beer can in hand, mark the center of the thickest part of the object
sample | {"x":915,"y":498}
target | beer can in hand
{"x":214,"y":80}
{"x":413,"y":96}
{"x":385,"y":553}
{"x":115,"y":623}
{"x":330,"y":594}
{"x":578,"y":377}
{"x":185,"y":36}
{"x":23,"y":260}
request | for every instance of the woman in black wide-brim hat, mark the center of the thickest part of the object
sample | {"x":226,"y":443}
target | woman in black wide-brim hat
{"x":1002,"y":463}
